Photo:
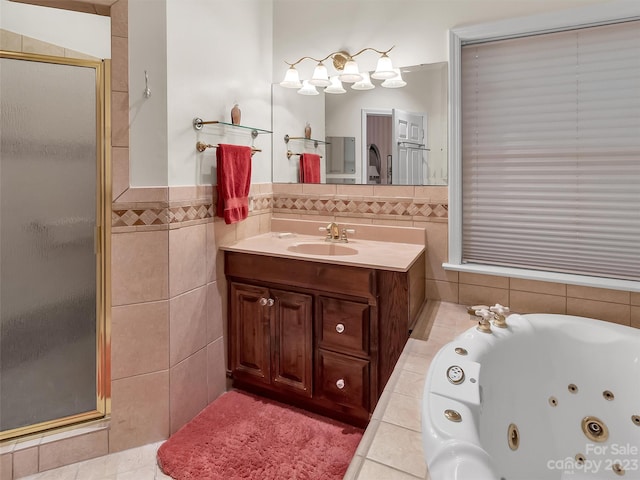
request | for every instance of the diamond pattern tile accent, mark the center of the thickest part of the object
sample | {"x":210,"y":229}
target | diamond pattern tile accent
{"x":403,"y":208}
{"x":153,"y":216}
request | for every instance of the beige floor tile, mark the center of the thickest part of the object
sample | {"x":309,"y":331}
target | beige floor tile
{"x":376,"y":471}
{"x":410,"y":384}
{"x":417,"y":363}
{"x":403,"y":411}
{"x":398,"y":448}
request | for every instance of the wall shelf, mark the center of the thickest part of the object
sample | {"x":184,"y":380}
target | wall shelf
{"x":287,"y":138}
{"x":198,"y":123}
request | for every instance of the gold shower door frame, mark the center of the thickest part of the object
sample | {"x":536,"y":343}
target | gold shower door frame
{"x":102,"y":244}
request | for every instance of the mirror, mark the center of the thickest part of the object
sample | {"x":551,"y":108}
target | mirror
{"x":399,"y":135}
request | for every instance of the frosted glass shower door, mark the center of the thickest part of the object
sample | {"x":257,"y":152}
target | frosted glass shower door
{"x":49,"y":191}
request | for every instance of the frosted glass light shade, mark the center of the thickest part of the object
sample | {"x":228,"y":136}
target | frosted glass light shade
{"x":308,"y":89}
{"x":291,"y":79}
{"x":384,"y":69}
{"x":320,"y":77}
{"x":364,"y":84}
{"x":350,"y":72}
{"x":395,"y":82}
{"x":335,"y":87}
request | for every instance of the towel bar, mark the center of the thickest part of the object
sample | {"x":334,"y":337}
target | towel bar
{"x":291,"y":154}
{"x":201,"y":147}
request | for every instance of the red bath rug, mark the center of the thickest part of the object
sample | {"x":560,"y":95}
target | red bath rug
{"x":243,"y":436}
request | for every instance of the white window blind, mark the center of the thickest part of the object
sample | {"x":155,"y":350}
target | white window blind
{"x":551,"y":152}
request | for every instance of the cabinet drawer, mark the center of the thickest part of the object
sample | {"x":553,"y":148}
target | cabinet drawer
{"x":344,"y":380}
{"x":344,"y":326}
{"x":327,"y":277}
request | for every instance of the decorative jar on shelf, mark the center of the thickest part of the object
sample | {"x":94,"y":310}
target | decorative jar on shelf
{"x":307,"y":131}
{"x":235,"y":115}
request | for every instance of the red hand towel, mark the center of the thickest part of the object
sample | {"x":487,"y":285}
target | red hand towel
{"x":309,"y":168}
{"x":234,"y":179}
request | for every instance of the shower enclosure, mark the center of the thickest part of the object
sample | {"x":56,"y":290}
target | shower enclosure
{"x":53,"y":360}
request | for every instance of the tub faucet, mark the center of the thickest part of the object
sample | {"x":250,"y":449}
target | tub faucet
{"x":484,"y":324}
{"x":500,"y":312}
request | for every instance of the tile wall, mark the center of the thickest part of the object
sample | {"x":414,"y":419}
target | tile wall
{"x":427,"y":207}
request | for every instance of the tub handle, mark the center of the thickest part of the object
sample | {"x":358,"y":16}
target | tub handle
{"x":484,"y":324}
{"x":500,"y":313}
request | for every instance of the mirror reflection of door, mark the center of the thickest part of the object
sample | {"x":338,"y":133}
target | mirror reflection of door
{"x":396,"y":141}
{"x":409,"y":139}
{"x":378,"y":136}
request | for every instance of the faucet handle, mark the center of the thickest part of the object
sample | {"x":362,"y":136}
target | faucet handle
{"x":484,"y":324}
{"x":343,"y":234}
{"x":499,"y":309}
{"x":500,"y":315}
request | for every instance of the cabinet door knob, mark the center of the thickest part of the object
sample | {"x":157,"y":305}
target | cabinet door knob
{"x":340,"y":384}
{"x":340,"y":328}
{"x":270,"y":302}
{"x":263,"y":301}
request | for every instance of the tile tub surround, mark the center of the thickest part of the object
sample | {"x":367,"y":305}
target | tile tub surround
{"x":391,"y":447}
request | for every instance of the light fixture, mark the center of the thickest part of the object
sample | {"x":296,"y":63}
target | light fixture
{"x":308,"y":89}
{"x":347,"y":70}
{"x":364,"y":84}
{"x":384,"y":69}
{"x":291,"y":79}
{"x":395,"y":82}
{"x":320,"y":77}
{"x":336,"y":86}
{"x":350,"y":72}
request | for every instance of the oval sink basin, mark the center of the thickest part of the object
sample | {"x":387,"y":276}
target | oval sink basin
{"x":322,"y":249}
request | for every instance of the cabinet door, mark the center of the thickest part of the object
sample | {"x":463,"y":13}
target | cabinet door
{"x":292,"y":341}
{"x":250,"y":333}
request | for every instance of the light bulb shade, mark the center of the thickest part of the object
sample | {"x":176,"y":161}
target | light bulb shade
{"x":308,"y":89}
{"x":384,"y":69}
{"x":291,"y":79}
{"x":320,"y":77}
{"x":335,"y":87}
{"x":350,"y":72}
{"x":364,"y":84}
{"x":395,"y":82}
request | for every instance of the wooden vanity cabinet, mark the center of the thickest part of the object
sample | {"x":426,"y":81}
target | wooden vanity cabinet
{"x":321,"y":336}
{"x":271,"y":335}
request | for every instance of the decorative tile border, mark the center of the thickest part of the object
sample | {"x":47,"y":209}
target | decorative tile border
{"x":407,"y":208}
{"x":152,"y":215}
{"x":145,"y":215}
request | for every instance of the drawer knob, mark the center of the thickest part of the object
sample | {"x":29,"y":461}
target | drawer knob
{"x":340,"y":384}
{"x":339,"y":328}
{"x":270,"y":302}
{"x":263,"y":301}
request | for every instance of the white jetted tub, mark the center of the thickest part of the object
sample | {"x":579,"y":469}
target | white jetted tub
{"x":549,"y":397}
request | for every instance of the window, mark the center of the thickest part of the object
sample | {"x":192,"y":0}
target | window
{"x":549,"y":172}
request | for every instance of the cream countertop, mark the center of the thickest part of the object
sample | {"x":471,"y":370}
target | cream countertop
{"x":381,"y":247}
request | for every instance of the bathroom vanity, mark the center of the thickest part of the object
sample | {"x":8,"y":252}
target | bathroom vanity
{"x":320,"y":331}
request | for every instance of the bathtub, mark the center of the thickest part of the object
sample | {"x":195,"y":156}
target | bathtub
{"x":547,"y":397}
